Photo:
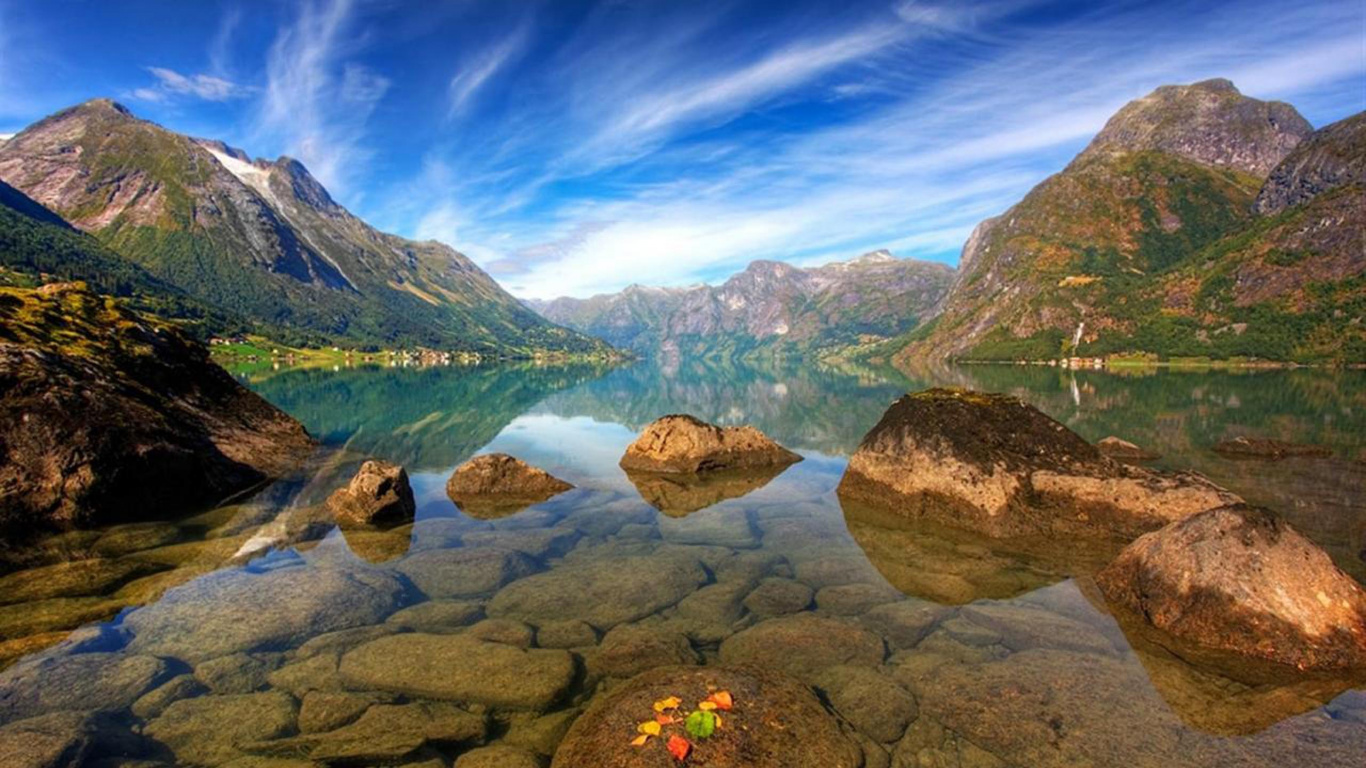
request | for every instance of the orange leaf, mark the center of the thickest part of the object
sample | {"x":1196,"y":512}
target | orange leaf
{"x":722,"y":700}
{"x":679,"y":747}
{"x":670,"y":703}
{"x":664,"y":720}
{"x":707,"y":706}
{"x":650,"y":727}
{"x":640,"y":740}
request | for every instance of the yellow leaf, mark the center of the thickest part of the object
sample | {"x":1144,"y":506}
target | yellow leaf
{"x":707,"y":706}
{"x":670,"y":703}
{"x":650,"y":727}
{"x":718,"y":722}
{"x":640,"y":740}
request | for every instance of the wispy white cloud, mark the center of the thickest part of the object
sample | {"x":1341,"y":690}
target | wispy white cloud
{"x":480,"y":69}
{"x":201,"y":86}
{"x":317,"y":100}
{"x":651,"y":168}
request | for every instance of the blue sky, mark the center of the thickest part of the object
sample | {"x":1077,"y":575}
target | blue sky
{"x":577,"y":147}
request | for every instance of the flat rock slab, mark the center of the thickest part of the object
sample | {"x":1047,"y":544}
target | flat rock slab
{"x":238,"y":610}
{"x":603,"y":592}
{"x":87,"y":682}
{"x":776,"y":722}
{"x":465,"y":571}
{"x":77,"y":578}
{"x":459,"y":668}
{"x":58,"y":739}
{"x":210,"y":730}
{"x":804,"y":645}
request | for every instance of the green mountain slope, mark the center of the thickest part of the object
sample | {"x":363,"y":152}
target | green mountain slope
{"x":37,"y":246}
{"x":769,"y":308}
{"x":1150,"y":242}
{"x":263,"y":240}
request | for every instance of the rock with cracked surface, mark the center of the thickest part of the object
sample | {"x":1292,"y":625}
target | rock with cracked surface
{"x":684,"y":444}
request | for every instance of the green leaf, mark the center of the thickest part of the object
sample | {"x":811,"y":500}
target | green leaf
{"x":700,"y":724}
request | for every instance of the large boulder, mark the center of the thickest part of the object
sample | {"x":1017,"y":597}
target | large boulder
{"x":682,"y":443}
{"x":775,"y":722}
{"x":496,"y":484}
{"x":107,"y":414}
{"x":1240,"y":579}
{"x":378,"y":494}
{"x":992,"y":463}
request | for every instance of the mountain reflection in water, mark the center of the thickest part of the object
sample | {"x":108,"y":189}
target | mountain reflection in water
{"x":197,"y":648}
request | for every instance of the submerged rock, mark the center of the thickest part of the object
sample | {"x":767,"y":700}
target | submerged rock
{"x":210,"y":730}
{"x":991,"y":463}
{"x":463,"y":572}
{"x":497,"y":485}
{"x":234,"y":611}
{"x":85,"y":681}
{"x":58,"y":739}
{"x":804,"y":645}
{"x":459,"y":668}
{"x":378,"y":494}
{"x":1240,"y":579}
{"x":681,"y":443}
{"x":1123,"y":450}
{"x":109,"y":414}
{"x":603,"y":592}
{"x":1259,"y":448}
{"x":776,"y":722}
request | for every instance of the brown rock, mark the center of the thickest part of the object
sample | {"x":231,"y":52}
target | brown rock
{"x":991,"y":463}
{"x":1240,"y":579}
{"x":496,"y":485}
{"x":378,"y":494}
{"x":1259,"y":448}
{"x":1122,"y":450}
{"x":107,"y":413}
{"x":681,"y":443}
{"x":776,"y":722}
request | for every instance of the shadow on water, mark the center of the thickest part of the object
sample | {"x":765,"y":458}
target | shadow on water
{"x":258,"y":633}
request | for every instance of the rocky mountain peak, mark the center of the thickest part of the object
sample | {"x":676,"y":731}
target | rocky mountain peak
{"x":1209,"y":122}
{"x":1334,"y":156}
{"x":880,"y":256}
{"x":108,"y":105}
{"x":305,"y":187}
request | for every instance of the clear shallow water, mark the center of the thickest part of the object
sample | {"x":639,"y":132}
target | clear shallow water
{"x":1005,"y":649}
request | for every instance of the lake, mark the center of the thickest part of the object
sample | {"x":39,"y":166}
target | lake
{"x":248,"y":633}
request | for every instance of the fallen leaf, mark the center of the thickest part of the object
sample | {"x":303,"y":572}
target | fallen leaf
{"x":707,"y":706}
{"x":665,"y":719}
{"x":700,"y":724}
{"x":640,"y":740}
{"x":670,"y":703}
{"x":650,"y":727}
{"x":722,"y":700}
{"x":679,"y":747}
{"x":718,"y":721}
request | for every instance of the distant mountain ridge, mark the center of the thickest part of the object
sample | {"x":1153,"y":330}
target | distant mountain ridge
{"x":263,"y":240}
{"x":770,"y":306}
{"x":1198,"y":222}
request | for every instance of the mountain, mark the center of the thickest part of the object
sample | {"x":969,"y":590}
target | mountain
{"x":1196,"y":223}
{"x":771,"y":306}
{"x":262,"y":239}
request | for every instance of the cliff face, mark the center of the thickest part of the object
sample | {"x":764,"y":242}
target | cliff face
{"x":1129,"y":248}
{"x":108,"y":415}
{"x":769,"y":306}
{"x":262,"y":239}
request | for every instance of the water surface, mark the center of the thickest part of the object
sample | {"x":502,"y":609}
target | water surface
{"x":1006,"y":652}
